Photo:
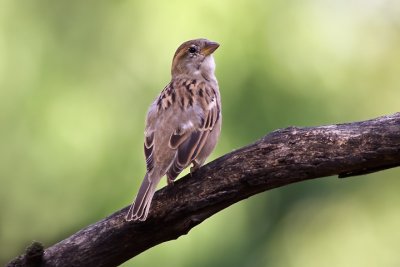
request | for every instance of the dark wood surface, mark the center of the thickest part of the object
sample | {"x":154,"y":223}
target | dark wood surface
{"x":282,"y":157}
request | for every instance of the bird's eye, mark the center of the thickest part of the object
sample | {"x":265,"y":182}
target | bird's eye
{"x":192,"y":50}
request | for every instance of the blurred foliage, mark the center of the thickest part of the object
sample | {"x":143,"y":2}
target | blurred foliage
{"x":76,"y":78}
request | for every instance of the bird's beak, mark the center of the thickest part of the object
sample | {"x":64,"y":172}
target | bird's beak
{"x":209,"y":48}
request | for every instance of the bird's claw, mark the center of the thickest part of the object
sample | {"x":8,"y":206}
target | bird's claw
{"x":170,"y":181}
{"x":194,"y":168}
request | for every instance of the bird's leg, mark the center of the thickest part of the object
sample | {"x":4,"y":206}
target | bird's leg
{"x":195,"y":166}
{"x":170,"y":181}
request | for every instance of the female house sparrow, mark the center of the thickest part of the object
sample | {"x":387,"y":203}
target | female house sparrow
{"x":183,"y":123}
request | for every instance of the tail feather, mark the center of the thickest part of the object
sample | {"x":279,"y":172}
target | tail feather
{"x":141,"y":205}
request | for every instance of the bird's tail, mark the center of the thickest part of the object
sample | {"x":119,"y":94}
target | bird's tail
{"x":141,"y":205}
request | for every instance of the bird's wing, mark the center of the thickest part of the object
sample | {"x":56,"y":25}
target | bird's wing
{"x":189,"y":142}
{"x":149,"y":136}
{"x":148,"y":150}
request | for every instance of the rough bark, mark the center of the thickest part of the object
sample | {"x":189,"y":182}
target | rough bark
{"x":282,"y":157}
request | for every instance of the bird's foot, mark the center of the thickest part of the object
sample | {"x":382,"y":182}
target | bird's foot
{"x":194,"y":168}
{"x":170,"y":181}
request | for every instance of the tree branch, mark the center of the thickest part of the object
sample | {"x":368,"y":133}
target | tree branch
{"x":282,"y":157}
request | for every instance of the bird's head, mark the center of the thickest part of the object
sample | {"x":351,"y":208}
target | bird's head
{"x":195,"y":58}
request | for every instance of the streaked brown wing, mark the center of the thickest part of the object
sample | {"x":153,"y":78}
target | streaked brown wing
{"x":184,"y":154}
{"x":190,"y":144}
{"x":148,"y":151}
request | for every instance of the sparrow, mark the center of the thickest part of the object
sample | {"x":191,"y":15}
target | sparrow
{"x":183,"y":124}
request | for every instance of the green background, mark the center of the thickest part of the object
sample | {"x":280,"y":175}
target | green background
{"x":76,"y":78}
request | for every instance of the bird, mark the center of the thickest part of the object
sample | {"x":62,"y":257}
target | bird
{"x":183,"y":124}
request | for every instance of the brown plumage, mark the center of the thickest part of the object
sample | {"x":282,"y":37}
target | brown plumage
{"x":183,"y":123}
